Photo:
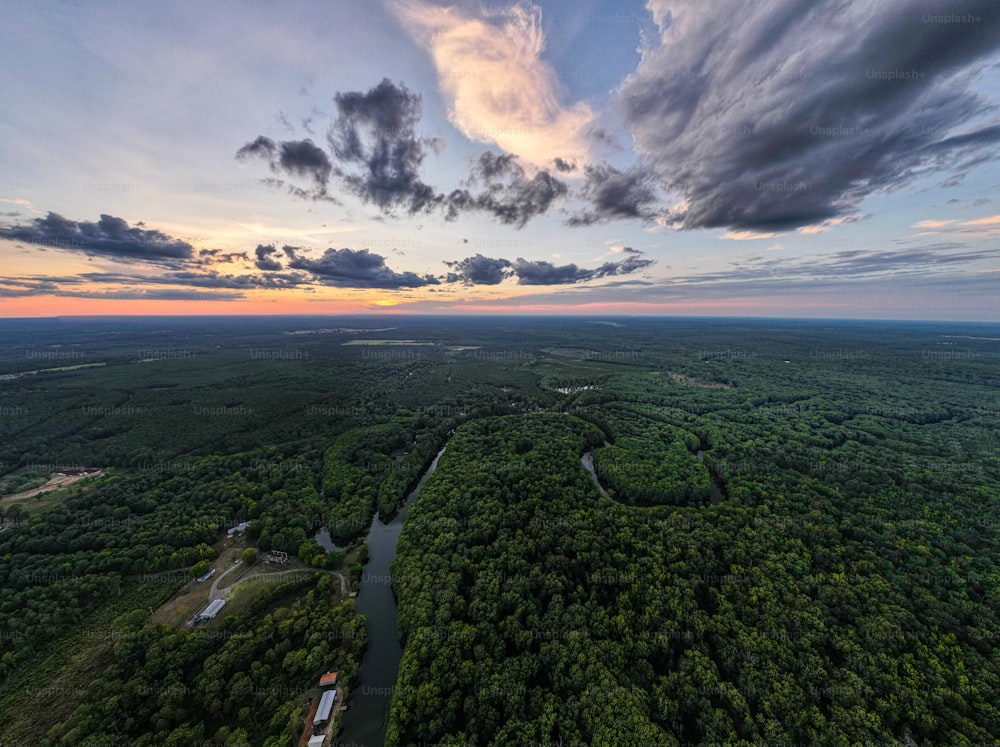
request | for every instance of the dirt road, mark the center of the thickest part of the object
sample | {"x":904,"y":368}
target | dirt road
{"x":54,"y":483}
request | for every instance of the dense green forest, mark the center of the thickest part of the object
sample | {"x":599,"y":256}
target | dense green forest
{"x":798,"y":543}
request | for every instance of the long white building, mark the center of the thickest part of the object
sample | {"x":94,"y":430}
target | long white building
{"x":325,"y":707}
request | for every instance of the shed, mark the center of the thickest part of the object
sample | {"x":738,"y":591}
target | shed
{"x":211,"y":610}
{"x":328,"y":680}
{"x":325,"y":706}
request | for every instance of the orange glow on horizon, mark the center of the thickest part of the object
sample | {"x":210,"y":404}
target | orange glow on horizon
{"x":48,"y":306}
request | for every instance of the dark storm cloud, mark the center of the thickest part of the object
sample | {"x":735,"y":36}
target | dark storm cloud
{"x":480,"y":270}
{"x":211,"y":256}
{"x":375,"y":133}
{"x":626,"y":266}
{"x":615,"y":194}
{"x":108,"y":237}
{"x":350,"y":268}
{"x":265,"y":261}
{"x":507,"y":193}
{"x":545,"y":273}
{"x":376,"y":155}
{"x":301,"y":158}
{"x":262,"y":147}
{"x":265,"y":280}
{"x":198,"y":280}
{"x":789,"y":114}
{"x":563,"y":166}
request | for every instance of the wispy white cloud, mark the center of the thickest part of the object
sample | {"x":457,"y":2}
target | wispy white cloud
{"x":992,"y":220}
{"x":822,"y":227}
{"x":23,"y":203}
{"x":746,"y":235}
{"x":498,"y":89}
{"x":986,"y":227}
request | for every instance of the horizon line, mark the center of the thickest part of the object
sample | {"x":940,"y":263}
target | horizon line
{"x":489,"y":315}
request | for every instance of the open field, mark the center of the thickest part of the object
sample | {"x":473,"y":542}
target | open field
{"x":55,"y":482}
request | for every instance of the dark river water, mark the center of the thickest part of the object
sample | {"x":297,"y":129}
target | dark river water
{"x":365,"y":721}
{"x":325,"y":541}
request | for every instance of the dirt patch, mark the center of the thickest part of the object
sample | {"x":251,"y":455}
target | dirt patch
{"x":193,"y":596}
{"x":688,"y":381}
{"x":55,"y":482}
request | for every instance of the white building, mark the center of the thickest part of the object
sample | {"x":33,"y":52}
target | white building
{"x":239,"y":528}
{"x":325,"y":707}
{"x":210,"y":611}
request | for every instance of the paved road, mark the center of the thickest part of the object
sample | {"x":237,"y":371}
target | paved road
{"x":216,"y":592}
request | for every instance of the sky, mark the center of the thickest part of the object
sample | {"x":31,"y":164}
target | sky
{"x":831,"y":158}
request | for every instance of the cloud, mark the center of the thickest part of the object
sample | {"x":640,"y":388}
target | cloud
{"x":109,"y":237}
{"x":262,"y":147}
{"x":510,"y":196}
{"x":56,"y":286}
{"x":746,"y":235}
{"x":990,"y":221}
{"x":497,"y":87}
{"x":23,"y":203}
{"x":982,"y":228}
{"x":301,"y":158}
{"x":217,"y":280}
{"x":480,"y":270}
{"x":789,"y":114}
{"x":563,"y":166}
{"x":265,"y":261}
{"x":350,"y":268}
{"x":375,"y":133}
{"x":851,"y":263}
{"x":615,"y":195}
{"x":545,"y":273}
{"x":213,"y":256}
{"x":376,"y":155}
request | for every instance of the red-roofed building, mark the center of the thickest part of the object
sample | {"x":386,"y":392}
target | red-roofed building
{"x":328,"y":680}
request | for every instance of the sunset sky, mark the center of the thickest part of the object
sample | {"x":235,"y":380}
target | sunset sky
{"x":830,"y":158}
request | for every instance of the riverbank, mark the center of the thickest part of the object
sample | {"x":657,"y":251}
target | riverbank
{"x":366,"y":720}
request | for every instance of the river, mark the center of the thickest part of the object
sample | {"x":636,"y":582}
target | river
{"x":325,"y":541}
{"x":588,"y":461}
{"x":365,"y":721}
